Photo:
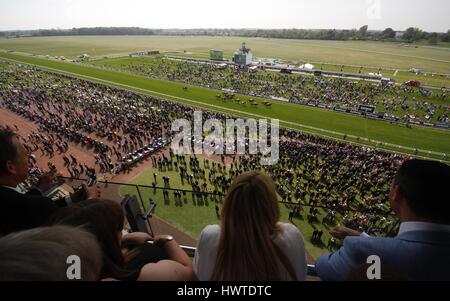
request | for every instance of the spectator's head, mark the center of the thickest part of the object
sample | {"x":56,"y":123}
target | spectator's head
{"x":13,"y":159}
{"x":42,"y":254}
{"x":104,"y":219}
{"x":420,"y":192}
{"x":250,"y":217}
{"x":251,"y":195}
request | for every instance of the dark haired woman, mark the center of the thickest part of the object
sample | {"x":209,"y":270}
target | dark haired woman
{"x":105,"y":219}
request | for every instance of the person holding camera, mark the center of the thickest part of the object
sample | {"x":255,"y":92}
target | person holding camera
{"x":30,"y":210}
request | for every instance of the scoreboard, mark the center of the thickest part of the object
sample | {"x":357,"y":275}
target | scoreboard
{"x":366,"y":109}
{"x":216,"y":55}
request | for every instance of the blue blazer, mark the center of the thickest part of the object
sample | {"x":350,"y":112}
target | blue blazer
{"x":420,"y":255}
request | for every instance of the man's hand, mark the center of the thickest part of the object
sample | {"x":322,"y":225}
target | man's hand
{"x":46,"y":181}
{"x":93,"y":192}
{"x":85,"y":193}
{"x":342,"y":232}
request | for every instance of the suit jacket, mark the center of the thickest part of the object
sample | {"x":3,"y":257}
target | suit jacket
{"x":419,"y":255}
{"x":24,"y":211}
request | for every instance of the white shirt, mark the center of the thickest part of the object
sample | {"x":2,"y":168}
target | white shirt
{"x":418,"y":226}
{"x":67,"y":198}
{"x":13,"y":188}
{"x":422,"y":226}
{"x":290,"y":240}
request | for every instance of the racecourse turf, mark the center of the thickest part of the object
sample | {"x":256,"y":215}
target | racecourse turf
{"x":358,"y":53}
{"x":290,"y":115}
{"x":148,"y":66}
{"x":192,"y":216}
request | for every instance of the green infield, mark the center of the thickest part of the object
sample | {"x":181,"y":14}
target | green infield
{"x":437,"y":80}
{"x":357,"y":53}
{"x":313,"y":120}
{"x":191,"y":215}
{"x":192,"y":73}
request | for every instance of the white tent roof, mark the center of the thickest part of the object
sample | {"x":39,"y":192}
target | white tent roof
{"x":307,"y":66}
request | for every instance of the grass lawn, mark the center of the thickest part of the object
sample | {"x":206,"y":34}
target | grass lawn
{"x":357,"y":53}
{"x":291,"y":115}
{"x":191,"y":217}
{"x":399,"y":77}
{"x":371,"y":55}
{"x":160,"y":68}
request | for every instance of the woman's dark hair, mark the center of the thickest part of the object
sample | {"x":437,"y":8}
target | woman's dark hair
{"x":104,"y":219}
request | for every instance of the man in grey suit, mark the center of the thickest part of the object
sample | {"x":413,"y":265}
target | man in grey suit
{"x":420,"y":198}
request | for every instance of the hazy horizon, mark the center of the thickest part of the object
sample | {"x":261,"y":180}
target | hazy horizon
{"x":206,"y":28}
{"x":431,"y":15}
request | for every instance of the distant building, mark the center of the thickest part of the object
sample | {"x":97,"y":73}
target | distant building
{"x":267,"y":61}
{"x":216,"y":55}
{"x":221,"y":66}
{"x":417,"y":71}
{"x":84,"y":57}
{"x":142,"y":53}
{"x":307,"y":66}
{"x":244,"y":56}
{"x":253,"y":69}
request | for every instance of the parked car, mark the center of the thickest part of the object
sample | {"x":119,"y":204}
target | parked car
{"x":412,"y":83}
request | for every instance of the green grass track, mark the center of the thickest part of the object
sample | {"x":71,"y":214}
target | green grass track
{"x":294,"y":116}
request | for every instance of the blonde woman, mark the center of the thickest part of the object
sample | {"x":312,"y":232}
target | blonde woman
{"x":251,"y":244}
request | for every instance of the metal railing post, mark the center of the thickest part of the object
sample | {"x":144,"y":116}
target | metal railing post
{"x":140,"y":196}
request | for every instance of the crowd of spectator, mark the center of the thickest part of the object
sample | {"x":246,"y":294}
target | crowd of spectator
{"x":313,"y":172}
{"x":400,"y":101}
{"x":115,"y":125}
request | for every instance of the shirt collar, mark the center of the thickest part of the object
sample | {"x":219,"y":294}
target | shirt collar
{"x":422,"y":226}
{"x":10,"y":187}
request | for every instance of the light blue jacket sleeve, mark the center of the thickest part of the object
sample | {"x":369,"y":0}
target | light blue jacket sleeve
{"x":337,"y":265}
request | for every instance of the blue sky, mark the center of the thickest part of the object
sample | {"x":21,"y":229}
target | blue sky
{"x":430,"y":15}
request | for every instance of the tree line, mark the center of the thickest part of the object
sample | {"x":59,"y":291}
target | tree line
{"x":85,"y":31}
{"x":411,"y":34}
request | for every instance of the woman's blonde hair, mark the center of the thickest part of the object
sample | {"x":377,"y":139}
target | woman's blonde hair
{"x":249,"y":223}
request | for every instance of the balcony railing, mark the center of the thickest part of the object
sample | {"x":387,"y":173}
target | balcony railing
{"x":140,"y":207}
{"x":191,"y":252}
